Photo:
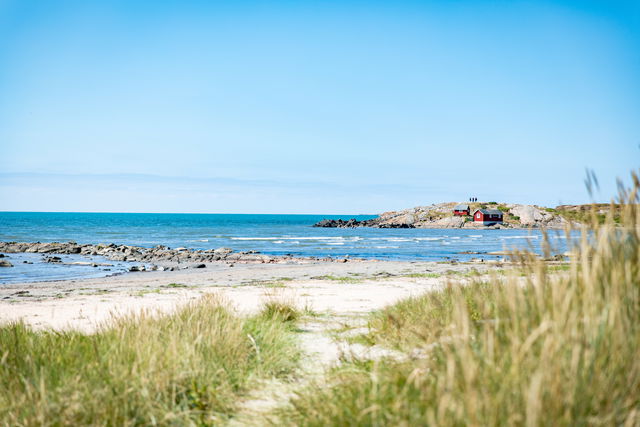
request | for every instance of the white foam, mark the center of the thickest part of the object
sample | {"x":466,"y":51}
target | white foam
{"x":288,"y":238}
{"x":254,"y":238}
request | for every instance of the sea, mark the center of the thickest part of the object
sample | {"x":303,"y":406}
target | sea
{"x":268,"y":234}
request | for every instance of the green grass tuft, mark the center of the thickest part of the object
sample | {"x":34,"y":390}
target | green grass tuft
{"x":341,"y":279}
{"x":175,"y":285}
{"x":280,"y":311}
{"x":424,"y":275}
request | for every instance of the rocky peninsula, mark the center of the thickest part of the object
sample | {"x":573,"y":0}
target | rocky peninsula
{"x":441,"y":216}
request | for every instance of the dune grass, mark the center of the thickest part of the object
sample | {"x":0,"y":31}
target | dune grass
{"x":281,"y":310}
{"x":187,"y":368}
{"x":538,"y":349}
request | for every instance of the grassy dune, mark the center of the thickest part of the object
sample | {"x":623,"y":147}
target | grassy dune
{"x":182,"y":369}
{"x":546,"y":348}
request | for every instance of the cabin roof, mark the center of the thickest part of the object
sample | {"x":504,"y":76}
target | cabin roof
{"x":490,"y":211}
{"x":461,"y":207}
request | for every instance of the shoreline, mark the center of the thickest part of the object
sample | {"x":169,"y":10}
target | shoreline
{"x":159,"y":254}
{"x":322,"y":286}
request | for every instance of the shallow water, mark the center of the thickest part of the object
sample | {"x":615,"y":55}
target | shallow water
{"x":28,"y":267}
{"x":269,"y":234}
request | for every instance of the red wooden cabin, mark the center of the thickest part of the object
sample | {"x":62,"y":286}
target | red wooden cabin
{"x":487,"y":216}
{"x":461,"y":210}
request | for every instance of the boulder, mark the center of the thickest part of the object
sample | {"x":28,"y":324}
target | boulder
{"x":5,"y":263}
{"x":529,"y":215}
{"x":450,"y":222}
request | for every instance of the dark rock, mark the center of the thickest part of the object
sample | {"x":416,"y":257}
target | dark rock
{"x":5,"y":263}
{"x":353,"y":223}
{"x":200,"y":266}
{"x":223,"y":251}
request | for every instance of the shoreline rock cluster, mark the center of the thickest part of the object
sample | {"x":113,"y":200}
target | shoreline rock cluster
{"x":157,"y":254}
{"x":353,"y":223}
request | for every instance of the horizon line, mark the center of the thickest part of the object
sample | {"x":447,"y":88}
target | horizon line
{"x":189,"y":213}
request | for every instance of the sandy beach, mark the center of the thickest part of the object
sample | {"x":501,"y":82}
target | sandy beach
{"x":328,"y":287}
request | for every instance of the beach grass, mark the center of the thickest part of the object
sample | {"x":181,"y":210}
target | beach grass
{"x":280,"y":310}
{"x":424,"y":275}
{"x":539,"y":349}
{"x":340,"y":279}
{"x":187,"y":368}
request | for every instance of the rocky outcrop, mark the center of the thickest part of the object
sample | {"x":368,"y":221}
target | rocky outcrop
{"x":441,"y":216}
{"x":157,"y":254}
{"x":352,"y":223}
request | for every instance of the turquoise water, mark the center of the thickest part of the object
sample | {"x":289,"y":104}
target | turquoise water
{"x":270,"y":234}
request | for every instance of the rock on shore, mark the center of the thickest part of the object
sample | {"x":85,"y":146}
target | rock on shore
{"x":156,"y":254}
{"x":352,"y":223}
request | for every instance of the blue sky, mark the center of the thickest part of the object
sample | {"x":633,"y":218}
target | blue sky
{"x":313,"y":107}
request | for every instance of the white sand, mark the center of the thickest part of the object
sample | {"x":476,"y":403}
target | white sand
{"x":84,"y":304}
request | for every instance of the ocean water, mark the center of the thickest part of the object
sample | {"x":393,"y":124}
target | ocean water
{"x":269,"y":234}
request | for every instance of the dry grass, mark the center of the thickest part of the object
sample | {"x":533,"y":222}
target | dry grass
{"x":539,"y":349}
